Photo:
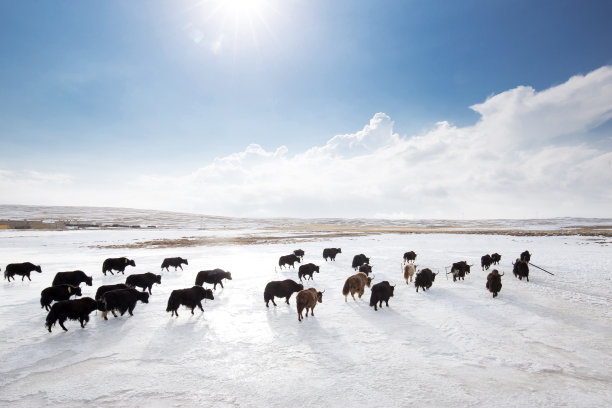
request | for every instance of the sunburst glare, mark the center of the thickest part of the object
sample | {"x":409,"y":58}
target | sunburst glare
{"x":243,"y":22}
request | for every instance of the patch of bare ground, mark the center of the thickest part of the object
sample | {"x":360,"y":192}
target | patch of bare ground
{"x":220,"y":241}
{"x":317,"y":232}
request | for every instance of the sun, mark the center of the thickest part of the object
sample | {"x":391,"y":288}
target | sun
{"x":241,"y":23}
{"x":245,"y":8}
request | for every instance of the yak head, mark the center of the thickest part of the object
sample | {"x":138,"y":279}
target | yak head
{"x":316,"y":269}
{"x":208,"y":294}
{"x":320,"y":297}
{"x":369,"y":281}
{"x":184,"y":261}
{"x":88,"y":280}
{"x":75,"y":290}
{"x":339,"y":250}
{"x":90,"y":304}
{"x":433,"y":276}
{"x":37,"y":269}
{"x":228,"y":275}
{"x":299,"y":286}
{"x":130,"y":262}
{"x":143,"y":297}
{"x":158,"y":279}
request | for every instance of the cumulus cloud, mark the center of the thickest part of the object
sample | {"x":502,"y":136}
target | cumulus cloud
{"x":528,"y":154}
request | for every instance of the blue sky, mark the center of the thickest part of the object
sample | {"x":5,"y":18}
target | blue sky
{"x":96,"y":94}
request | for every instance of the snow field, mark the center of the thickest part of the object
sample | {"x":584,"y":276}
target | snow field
{"x":544,"y":342}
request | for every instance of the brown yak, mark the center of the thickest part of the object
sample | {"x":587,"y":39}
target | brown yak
{"x":307,"y":299}
{"x":356,"y":284}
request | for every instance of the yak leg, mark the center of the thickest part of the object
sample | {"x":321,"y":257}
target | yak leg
{"x":104,"y":315}
{"x":200,"y":306}
{"x":312,"y":310}
{"x":61,"y":323}
{"x":387,"y":302}
{"x":353,"y":295}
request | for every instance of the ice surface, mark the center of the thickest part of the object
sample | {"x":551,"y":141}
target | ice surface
{"x":540,"y":343}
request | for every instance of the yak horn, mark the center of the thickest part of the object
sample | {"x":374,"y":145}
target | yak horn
{"x":503,"y":273}
{"x":373,"y":276}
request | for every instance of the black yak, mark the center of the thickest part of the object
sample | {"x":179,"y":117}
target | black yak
{"x":106,"y":288}
{"x":190,"y":297}
{"x":116,"y":264}
{"x":213,"y":277}
{"x":122,"y":300}
{"x":520,"y":269}
{"x":382,"y":291}
{"x":307,"y":270}
{"x":143,"y":280}
{"x":76,"y":309}
{"x":307,"y":299}
{"x":459,"y":270}
{"x":486,"y":261}
{"x":175,"y":262}
{"x":365,"y":268}
{"x":22,"y":269}
{"x":495,"y":258}
{"x":359,"y":260}
{"x":57,"y":293}
{"x":281,"y":289}
{"x":299,"y":253}
{"x":494,"y":284}
{"x":356,"y":284}
{"x":331,"y":253}
{"x":424,"y":279}
{"x":290,"y":259}
{"x":410,"y":256}
{"x":526,"y":256}
{"x":74,"y":278}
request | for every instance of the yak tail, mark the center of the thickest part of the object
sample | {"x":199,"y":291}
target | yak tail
{"x":171,"y":304}
{"x":345,"y":289}
{"x":51,"y":319}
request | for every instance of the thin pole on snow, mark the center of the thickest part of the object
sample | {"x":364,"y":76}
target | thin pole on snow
{"x":541,"y":268}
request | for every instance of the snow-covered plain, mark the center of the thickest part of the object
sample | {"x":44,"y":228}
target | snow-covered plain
{"x":540,"y":343}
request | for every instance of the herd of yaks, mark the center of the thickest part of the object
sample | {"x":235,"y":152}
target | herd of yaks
{"x":123,"y":297}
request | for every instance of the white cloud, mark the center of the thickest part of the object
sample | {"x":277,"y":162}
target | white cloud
{"x":528,"y":154}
